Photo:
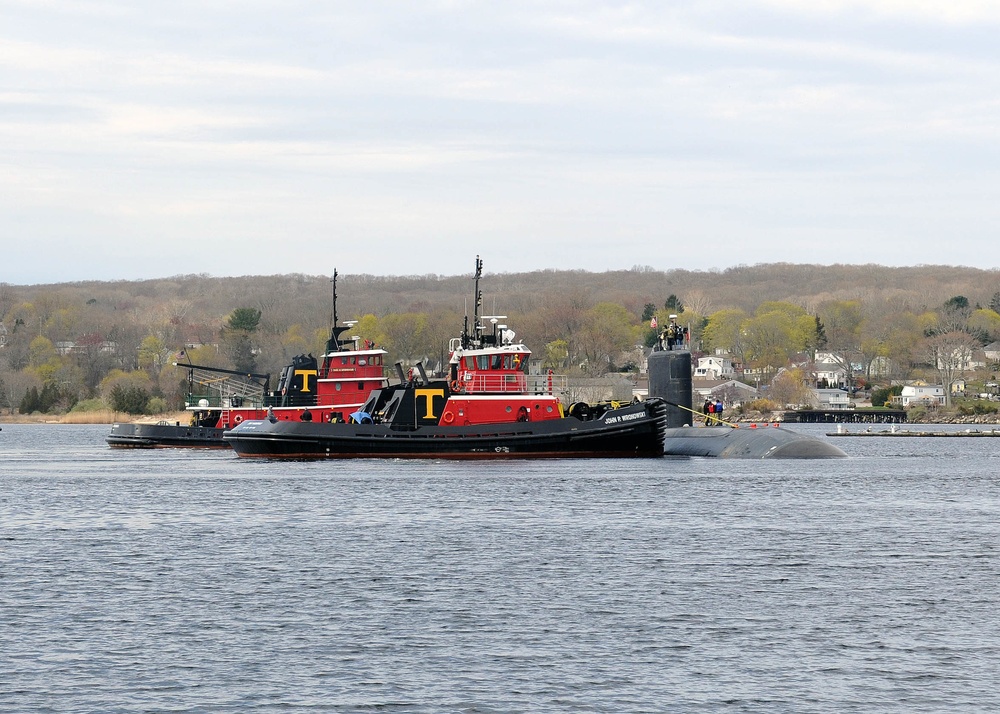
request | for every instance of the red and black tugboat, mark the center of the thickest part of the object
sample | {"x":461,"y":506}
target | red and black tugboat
{"x":483,"y":409}
{"x":221,"y":399}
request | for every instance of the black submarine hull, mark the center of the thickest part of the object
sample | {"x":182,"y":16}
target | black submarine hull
{"x":747,"y":443}
{"x":670,"y":380}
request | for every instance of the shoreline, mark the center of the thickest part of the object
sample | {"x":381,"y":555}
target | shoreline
{"x":109,"y":418}
{"x":779,"y":417}
{"x":91,"y":418}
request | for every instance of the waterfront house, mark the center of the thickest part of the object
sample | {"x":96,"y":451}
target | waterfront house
{"x":832,"y":399}
{"x":920,"y":393}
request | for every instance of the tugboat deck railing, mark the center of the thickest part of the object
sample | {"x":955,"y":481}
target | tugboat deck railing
{"x":516,"y":384}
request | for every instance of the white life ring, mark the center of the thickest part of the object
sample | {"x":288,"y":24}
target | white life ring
{"x":238,"y":418}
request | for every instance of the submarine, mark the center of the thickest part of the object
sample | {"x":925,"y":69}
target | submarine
{"x":670,"y":380}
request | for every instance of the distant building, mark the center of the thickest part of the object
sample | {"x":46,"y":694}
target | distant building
{"x":920,"y":393}
{"x":3,"y":335}
{"x":963,"y":359}
{"x":68,"y":347}
{"x":714,"y":367}
{"x":832,"y":399}
{"x":599,"y":389}
{"x":730,"y":391}
{"x":829,"y":371}
{"x":880,"y":367}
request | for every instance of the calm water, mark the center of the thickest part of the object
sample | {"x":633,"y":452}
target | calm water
{"x":178,"y":581}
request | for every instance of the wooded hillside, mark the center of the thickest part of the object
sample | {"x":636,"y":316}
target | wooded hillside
{"x":76,"y":335}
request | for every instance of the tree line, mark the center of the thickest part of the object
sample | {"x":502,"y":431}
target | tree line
{"x":114,"y":343}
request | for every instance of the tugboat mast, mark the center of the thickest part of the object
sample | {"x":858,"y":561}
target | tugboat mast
{"x":334,"y":281}
{"x":475,"y":339}
{"x":333,"y":344}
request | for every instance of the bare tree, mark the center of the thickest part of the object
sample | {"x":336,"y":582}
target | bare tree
{"x":606,"y":331}
{"x":13,"y":385}
{"x":698,"y":301}
{"x":404,"y":336}
{"x":8,"y":298}
{"x":842,"y":322}
{"x":951,"y":355}
{"x":789,"y":388}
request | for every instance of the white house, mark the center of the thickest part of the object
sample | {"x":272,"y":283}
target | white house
{"x":829,"y":370}
{"x":963,"y":359}
{"x":920,"y":394}
{"x":880,"y":366}
{"x":832,"y":399}
{"x":714,"y":367}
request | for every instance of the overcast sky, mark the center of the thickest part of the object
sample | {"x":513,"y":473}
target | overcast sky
{"x":148,"y":139}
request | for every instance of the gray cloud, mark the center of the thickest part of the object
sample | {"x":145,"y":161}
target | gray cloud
{"x":390,"y":138}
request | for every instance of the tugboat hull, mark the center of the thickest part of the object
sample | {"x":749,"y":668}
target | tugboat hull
{"x":633,"y":431}
{"x":165,"y":435}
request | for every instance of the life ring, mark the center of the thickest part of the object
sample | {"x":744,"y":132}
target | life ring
{"x":237,"y":419}
{"x":454,"y":385}
{"x":448,"y":417}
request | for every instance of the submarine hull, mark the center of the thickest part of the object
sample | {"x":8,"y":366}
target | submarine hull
{"x":745,"y":443}
{"x":670,"y":380}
